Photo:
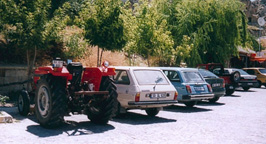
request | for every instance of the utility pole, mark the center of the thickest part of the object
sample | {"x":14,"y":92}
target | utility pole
{"x":261,"y":22}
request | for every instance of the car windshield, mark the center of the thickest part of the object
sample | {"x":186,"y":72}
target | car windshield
{"x":207,"y":74}
{"x":262,"y":71}
{"x":192,"y":76}
{"x":150,"y":77}
{"x":242,"y":72}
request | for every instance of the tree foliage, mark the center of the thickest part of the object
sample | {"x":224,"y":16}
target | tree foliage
{"x":102,"y":24}
{"x":173,"y":31}
{"x":148,"y":34}
{"x":216,"y":28}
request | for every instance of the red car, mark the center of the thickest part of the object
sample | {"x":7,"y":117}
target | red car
{"x":231,"y":79}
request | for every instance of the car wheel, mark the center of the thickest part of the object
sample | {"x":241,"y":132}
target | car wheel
{"x":229,"y":91}
{"x":235,"y":77}
{"x":190,"y":104}
{"x":213,"y":100}
{"x":152,"y":111}
{"x":259,"y":84}
{"x":246,"y":88}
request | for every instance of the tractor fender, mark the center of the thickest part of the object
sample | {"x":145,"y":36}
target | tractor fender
{"x":50,"y":70}
{"x":94,"y":75}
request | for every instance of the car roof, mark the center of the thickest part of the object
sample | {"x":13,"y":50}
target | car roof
{"x":232,"y":69}
{"x":178,"y":68}
{"x":134,"y":68}
{"x":254,"y":68}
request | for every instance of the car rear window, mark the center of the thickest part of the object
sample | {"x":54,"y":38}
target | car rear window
{"x":207,"y":74}
{"x":192,"y":76}
{"x":242,"y":72}
{"x":150,"y":77}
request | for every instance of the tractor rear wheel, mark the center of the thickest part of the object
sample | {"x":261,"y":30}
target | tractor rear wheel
{"x":23,"y":103}
{"x":50,"y":101}
{"x":101,"y":111}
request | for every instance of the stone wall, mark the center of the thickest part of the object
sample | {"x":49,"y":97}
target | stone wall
{"x":10,"y":74}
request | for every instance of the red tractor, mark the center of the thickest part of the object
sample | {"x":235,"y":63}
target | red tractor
{"x":59,"y":90}
{"x":231,"y":80}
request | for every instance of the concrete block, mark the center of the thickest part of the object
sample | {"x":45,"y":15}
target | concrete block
{"x":2,"y":80}
{"x":5,"y":117}
{"x":21,"y":73}
{"x":11,"y":79}
{"x":10,"y":73}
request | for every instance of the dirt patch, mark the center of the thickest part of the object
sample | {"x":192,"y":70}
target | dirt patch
{"x":114,"y":58}
{"x":7,"y":105}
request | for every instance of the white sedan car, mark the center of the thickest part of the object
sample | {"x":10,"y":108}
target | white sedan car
{"x":143,"y":88}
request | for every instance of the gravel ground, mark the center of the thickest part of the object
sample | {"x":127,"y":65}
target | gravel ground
{"x":240,"y":118}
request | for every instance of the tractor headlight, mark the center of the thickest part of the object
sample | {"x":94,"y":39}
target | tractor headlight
{"x":106,"y":63}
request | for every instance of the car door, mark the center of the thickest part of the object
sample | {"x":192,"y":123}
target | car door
{"x":124,"y":88}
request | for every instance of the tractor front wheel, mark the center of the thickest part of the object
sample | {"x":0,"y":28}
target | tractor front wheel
{"x":23,"y":103}
{"x":101,"y":111}
{"x":50,"y":101}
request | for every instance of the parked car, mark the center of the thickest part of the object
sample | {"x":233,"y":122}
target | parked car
{"x":231,"y":80}
{"x":259,"y":72}
{"x":143,"y":88}
{"x":190,"y":85}
{"x":246,"y":80}
{"x":217,"y":84}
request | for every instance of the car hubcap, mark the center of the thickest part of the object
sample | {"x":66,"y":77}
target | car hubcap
{"x":43,"y":101}
{"x":20,"y":102}
{"x":236,"y":76}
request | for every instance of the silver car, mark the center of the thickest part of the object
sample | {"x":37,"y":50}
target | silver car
{"x":143,"y":88}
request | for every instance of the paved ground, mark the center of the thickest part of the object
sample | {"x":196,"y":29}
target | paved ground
{"x":240,"y":118}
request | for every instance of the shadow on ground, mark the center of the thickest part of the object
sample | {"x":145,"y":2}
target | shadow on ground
{"x":250,"y":90}
{"x":206,"y":103}
{"x":13,"y":111}
{"x":71,"y":128}
{"x":139,"y":119}
{"x":232,"y":95}
{"x":184,"y":109}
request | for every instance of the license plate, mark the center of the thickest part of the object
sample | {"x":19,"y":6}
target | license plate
{"x":199,"y":88}
{"x":231,"y":87}
{"x":216,"y":85}
{"x":250,"y":83}
{"x":156,"y":95}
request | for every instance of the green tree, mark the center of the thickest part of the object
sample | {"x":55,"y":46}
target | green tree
{"x":27,"y":24}
{"x":151,"y":36}
{"x":103,"y":25}
{"x":215,"y":28}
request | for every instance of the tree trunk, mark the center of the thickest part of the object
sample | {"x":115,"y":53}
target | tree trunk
{"x":30,"y":66}
{"x":98,"y":53}
{"x":148,"y":60}
{"x":101,"y":56}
